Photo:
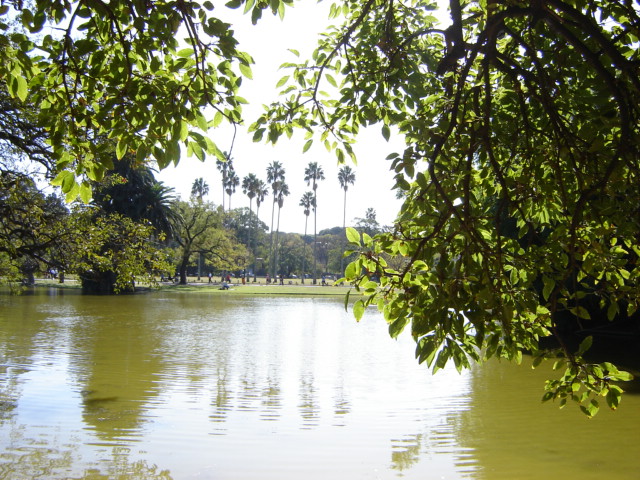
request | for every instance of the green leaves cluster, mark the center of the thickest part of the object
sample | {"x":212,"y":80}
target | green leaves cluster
{"x":151,"y":76}
{"x":521,"y":171}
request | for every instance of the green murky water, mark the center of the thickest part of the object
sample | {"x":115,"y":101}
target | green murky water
{"x":196,"y":386}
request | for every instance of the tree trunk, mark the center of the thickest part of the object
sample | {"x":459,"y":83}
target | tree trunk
{"x":182,"y":270}
{"x":304,"y":250}
{"x":276,"y":244}
{"x":271,"y":263}
{"x":315,"y":237}
{"x":344,"y":231}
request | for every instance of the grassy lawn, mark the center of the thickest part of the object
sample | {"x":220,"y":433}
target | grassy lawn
{"x":261,"y":289}
{"x":235,"y":287}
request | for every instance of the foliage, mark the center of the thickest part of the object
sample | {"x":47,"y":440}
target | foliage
{"x":520,"y":174}
{"x":369,"y":223}
{"x":132,"y":190}
{"x":246,"y":228}
{"x":112,"y":252}
{"x":32,"y":227}
{"x":138,"y":72}
{"x":199,"y":189}
{"x":198,"y":230}
{"x":292,"y":254}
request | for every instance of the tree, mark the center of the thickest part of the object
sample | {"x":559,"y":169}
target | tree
{"x":131,"y":190}
{"x":520,"y":174}
{"x":283,"y":191}
{"x":232,"y":182}
{"x":312,"y":175}
{"x":292,"y":254}
{"x":346,"y":177}
{"x":111,"y":251}
{"x":224,"y":166}
{"x":250,"y":187}
{"x":199,"y":189}
{"x":33,"y":228}
{"x":369,"y":224}
{"x":199,"y":230}
{"x":307,"y":202}
{"x":275,"y":176}
{"x":261,"y":193}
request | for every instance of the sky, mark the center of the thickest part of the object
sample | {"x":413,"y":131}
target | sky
{"x":268,"y":43}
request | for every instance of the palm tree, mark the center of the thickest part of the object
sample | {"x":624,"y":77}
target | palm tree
{"x":307,"y":203}
{"x":262,"y":190}
{"x":283,"y":191}
{"x":249,"y":188}
{"x":224,"y":167}
{"x":275,"y":176}
{"x":312,"y":175}
{"x":199,"y":188}
{"x":232,"y":182}
{"x":140,"y":197}
{"x":346,"y":177}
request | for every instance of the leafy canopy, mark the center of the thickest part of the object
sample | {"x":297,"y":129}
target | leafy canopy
{"x":154,"y":76}
{"x":520,"y":173}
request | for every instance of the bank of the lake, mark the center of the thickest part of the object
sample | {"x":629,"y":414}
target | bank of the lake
{"x":236,"y":287}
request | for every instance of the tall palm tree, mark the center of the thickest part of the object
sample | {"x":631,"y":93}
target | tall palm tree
{"x":312,"y":175}
{"x":232,"y":182}
{"x":199,"y":188}
{"x":283,"y":191}
{"x":262,"y":190}
{"x":249,"y":188}
{"x":224,"y":167}
{"x":346,"y":177}
{"x":140,"y":197}
{"x":307,"y":203}
{"x":275,"y":176}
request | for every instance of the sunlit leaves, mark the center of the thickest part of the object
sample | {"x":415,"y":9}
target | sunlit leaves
{"x":519,"y":176}
{"x":127,"y":76}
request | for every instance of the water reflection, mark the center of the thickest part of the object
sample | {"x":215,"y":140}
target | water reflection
{"x":201,"y":386}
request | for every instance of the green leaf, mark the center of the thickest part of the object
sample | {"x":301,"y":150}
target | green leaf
{"x":549,"y":285}
{"x":386,"y":133}
{"x":246,"y":71}
{"x":353,"y":236}
{"x":346,"y":300}
{"x":65,"y":179}
{"x":358,"y":309}
{"x":18,"y":87}
{"x":282,"y":81}
{"x":85,"y":192}
{"x":351,"y":271}
{"x":585,"y":345}
{"x":121,"y":148}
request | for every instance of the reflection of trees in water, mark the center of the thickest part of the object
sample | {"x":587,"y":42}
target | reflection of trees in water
{"x":405,"y":453}
{"x":115,"y":357}
{"x":121,"y":467}
{"x":341,"y":406}
{"x":222,"y":402}
{"x":38,"y":461}
{"x":34,"y":461}
{"x":271,"y":399}
{"x":308,"y":405}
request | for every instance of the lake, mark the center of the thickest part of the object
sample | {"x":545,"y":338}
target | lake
{"x":170,"y":385}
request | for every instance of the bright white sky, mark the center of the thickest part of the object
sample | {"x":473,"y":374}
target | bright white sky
{"x":268,"y":42}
